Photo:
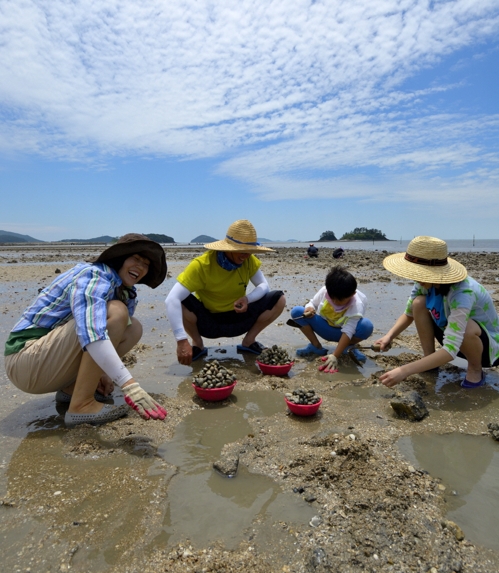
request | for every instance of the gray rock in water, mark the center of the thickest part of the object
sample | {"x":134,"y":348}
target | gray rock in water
{"x":494,"y":430}
{"x":409,"y":405}
{"x":229,"y":460}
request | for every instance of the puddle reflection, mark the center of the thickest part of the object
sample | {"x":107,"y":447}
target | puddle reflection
{"x":468,"y":466}
{"x":205,"y":506}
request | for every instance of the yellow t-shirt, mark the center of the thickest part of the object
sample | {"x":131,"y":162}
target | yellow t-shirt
{"x":333,"y":317}
{"x":215,"y":287}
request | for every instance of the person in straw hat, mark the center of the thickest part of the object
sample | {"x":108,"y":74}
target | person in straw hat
{"x":70,"y":340}
{"x":210,"y":299}
{"x":445,"y":304}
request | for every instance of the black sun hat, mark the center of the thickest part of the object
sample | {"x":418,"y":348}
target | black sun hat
{"x":137,"y":244}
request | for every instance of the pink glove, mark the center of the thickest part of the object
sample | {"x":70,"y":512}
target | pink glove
{"x":330,"y":364}
{"x":139,"y":400}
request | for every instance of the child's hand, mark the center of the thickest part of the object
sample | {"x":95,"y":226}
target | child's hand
{"x":330,"y":364}
{"x":309,"y":312}
{"x":382,"y":345}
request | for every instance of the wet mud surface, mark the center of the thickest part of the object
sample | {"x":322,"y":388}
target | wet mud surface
{"x":353,"y":488}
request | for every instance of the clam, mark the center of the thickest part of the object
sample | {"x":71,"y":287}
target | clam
{"x":214,"y":375}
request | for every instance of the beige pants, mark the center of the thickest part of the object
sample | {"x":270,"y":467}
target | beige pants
{"x":47,"y":364}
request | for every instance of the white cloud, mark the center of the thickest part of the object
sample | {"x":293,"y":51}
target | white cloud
{"x":285,"y":86}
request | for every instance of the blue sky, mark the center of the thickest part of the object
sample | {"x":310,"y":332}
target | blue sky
{"x":180,"y":117}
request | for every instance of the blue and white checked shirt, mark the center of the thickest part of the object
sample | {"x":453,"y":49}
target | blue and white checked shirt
{"x":81,"y":293}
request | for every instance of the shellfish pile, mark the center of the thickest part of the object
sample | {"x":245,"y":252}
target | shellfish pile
{"x":214,"y":375}
{"x":274,"y":356}
{"x":302,"y":397}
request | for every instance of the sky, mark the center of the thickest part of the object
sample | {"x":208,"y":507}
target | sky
{"x":181,"y":117}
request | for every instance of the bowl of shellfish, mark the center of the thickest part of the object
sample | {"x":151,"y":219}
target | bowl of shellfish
{"x":303,"y":402}
{"x":214,"y":382}
{"x":274,"y":361}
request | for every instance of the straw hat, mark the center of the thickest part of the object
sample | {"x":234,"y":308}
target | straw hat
{"x":241,"y":237}
{"x":426,"y":261}
{"x":136,"y":244}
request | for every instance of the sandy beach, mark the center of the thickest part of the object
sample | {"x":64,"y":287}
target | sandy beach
{"x":329,"y":493}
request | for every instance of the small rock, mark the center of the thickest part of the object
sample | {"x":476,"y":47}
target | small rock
{"x":319,"y":557}
{"x":409,"y":405}
{"x":229,"y":460}
{"x":453,"y":528}
{"x":316,"y":521}
{"x":494,"y":430}
{"x":57,"y":271}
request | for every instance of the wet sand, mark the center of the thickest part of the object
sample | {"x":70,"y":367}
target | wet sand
{"x":339,"y":497}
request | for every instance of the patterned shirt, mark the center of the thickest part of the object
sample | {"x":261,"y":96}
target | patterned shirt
{"x":466,"y":299}
{"x":81,"y":293}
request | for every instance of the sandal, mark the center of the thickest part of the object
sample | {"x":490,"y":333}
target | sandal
{"x":311,"y":349}
{"x":255,"y":348}
{"x":198,"y":352}
{"x":467,"y":384}
{"x":107,"y":414}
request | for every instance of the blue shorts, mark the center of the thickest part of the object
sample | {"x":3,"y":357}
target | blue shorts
{"x":230,"y":323}
{"x":331,"y":333}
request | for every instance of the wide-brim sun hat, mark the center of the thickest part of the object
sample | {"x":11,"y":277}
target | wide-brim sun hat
{"x":241,"y":237}
{"x":137,"y":244}
{"x":426,"y":261}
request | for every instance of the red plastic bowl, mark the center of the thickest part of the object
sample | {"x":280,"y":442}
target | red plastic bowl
{"x":277,"y":370}
{"x":214,"y":394}
{"x":303,"y":409}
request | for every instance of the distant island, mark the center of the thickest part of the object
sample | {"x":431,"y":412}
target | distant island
{"x":104,"y":239}
{"x":358,"y":234}
{"x":204,"y":239}
{"x":9,"y":237}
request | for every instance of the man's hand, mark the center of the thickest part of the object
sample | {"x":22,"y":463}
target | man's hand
{"x":184,"y":352}
{"x":329,"y":363}
{"x":145,"y":405}
{"x":241,"y":304}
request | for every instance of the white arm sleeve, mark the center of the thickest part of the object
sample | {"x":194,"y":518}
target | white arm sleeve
{"x":174,"y":310}
{"x":261,"y":287}
{"x":105,"y":356}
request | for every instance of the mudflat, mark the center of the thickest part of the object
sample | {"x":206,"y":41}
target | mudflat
{"x":331,"y":492}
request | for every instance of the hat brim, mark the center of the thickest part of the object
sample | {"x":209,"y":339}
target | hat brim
{"x":225,"y":245}
{"x":149,"y":249}
{"x":452,"y":272}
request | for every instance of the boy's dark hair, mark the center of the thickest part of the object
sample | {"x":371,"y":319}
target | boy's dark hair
{"x":340,"y":283}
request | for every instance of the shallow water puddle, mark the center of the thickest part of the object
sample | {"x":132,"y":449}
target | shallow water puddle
{"x":468,"y":466}
{"x":93,"y":500}
{"x":204,"y":506}
{"x":373,"y":392}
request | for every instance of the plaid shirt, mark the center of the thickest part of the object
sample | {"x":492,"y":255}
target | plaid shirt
{"x":81,"y":293}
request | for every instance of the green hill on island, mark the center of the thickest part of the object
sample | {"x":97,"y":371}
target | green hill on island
{"x":102,"y":239}
{"x":9,"y":237}
{"x":108,"y":239}
{"x":363,"y":234}
{"x":358,"y":234}
{"x":203,"y":239}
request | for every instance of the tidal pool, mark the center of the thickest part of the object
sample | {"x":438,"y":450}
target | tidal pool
{"x":468,"y":467}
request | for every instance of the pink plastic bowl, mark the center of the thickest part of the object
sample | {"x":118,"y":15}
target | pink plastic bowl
{"x":277,"y":370}
{"x":214,"y":394}
{"x":303,"y":409}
